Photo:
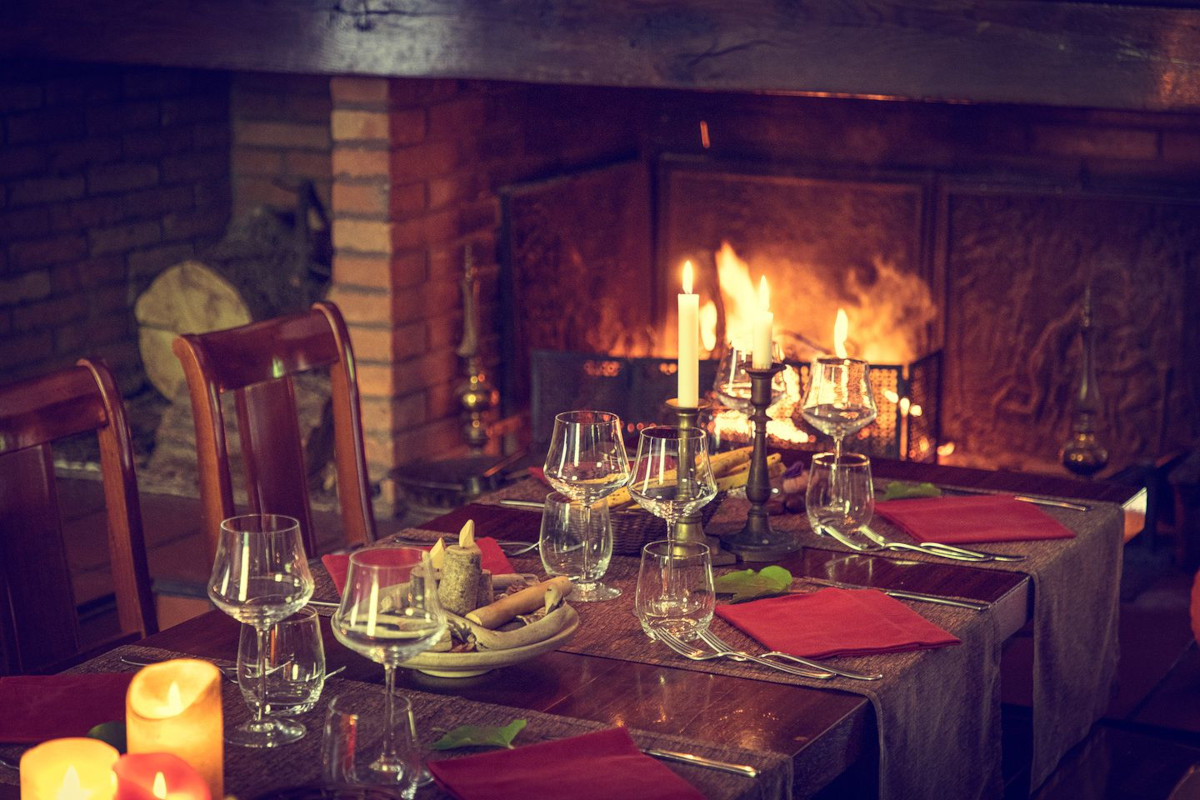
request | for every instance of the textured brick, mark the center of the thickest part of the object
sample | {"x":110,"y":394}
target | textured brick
{"x":424,"y":160}
{"x":45,"y":190}
{"x":88,"y":212}
{"x":99,"y":271}
{"x":50,"y":313}
{"x":188,"y":110}
{"x":26,"y":287}
{"x":24,"y":223}
{"x":193,"y":224}
{"x":362,"y":271}
{"x":156,"y":82}
{"x":46,"y":125}
{"x":360,"y":162}
{"x":365,"y":199}
{"x":35,"y":253}
{"x":362,"y":236}
{"x":69,"y":157}
{"x":122,"y":118}
{"x":451,"y":120}
{"x":375,"y":380}
{"x":362,"y":307}
{"x":430,"y":299}
{"x":195,"y":166}
{"x":18,"y":162}
{"x":420,"y":91}
{"x":124,"y":237}
{"x":386,"y":344}
{"x":256,"y":161}
{"x":359,"y":91}
{"x":308,"y":164}
{"x":147,"y":262}
{"x":282,"y":134}
{"x":98,"y":85}
{"x":113,"y":178}
{"x":359,"y":125}
{"x":30,"y":348}
{"x":251,"y":192}
{"x":20,"y":97}
{"x":433,"y":228}
{"x":407,"y":199}
{"x":208,"y":134}
{"x":1081,"y":141}
{"x":159,"y":142}
{"x":1182,"y":147}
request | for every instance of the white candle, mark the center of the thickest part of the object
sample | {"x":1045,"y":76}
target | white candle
{"x":761,"y":328}
{"x":688,"y":371}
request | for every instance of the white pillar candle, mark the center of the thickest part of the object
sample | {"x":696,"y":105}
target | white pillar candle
{"x":688,"y":370}
{"x":761,"y":329}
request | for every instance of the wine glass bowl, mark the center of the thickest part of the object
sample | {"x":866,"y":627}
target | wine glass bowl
{"x":732,"y":385}
{"x":839,"y":401}
{"x":260,"y":576}
{"x":587,"y":459}
{"x":389,"y":613}
{"x":672,"y":475}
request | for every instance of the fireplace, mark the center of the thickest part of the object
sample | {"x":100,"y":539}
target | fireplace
{"x":1005,"y":190}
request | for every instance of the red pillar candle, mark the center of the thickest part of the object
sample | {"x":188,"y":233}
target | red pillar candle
{"x":158,"y":776}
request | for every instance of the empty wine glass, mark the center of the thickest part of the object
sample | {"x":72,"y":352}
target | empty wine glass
{"x":575,"y":548}
{"x":390,"y":613}
{"x":840,"y":494}
{"x":587,"y":462}
{"x":839,"y":401}
{"x":732,"y":385}
{"x":672,"y":476}
{"x":259,"y":577}
{"x":675,"y":589}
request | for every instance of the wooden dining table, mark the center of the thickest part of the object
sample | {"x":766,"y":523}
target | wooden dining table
{"x":828,"y":734}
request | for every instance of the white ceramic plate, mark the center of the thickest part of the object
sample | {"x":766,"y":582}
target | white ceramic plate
{"x":467,"y":665}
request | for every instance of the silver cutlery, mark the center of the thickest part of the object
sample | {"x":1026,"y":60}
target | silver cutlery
{"x":717,"y":643}
{"x":228,"y":671}
{"x":1025,"y":498}
{"x":510,"y":548}
{"x":701,"y":654}
{"x":948,"y":552}
{"x":9,"y":763}
{"x":938,"y":546}
{"x":701,"y":761}
{"x":901,"y":594}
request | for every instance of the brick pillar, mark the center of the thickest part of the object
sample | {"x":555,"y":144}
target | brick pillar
{"x":397,"y":262}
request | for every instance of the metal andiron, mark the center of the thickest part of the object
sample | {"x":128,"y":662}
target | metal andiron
{"x":1083,"y":454}
{"x":757,"y":541}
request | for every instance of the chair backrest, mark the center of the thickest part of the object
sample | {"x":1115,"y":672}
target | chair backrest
{"x":39,"y":626}
{"x":257,"y":364}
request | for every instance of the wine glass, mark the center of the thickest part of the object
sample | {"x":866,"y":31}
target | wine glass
{"x":732,"y":385}
{"x":567,"y":548}
{"x":390,"y":613}
{"x":260,"y":577}
{"x":840,"y":494}
{"x":839,"y":399}
{"x":587,"y":462}
{"x":659,"y":485}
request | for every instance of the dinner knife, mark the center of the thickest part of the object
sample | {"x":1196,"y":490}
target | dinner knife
{"x":700,"y":761}
{"x":900,"y":594}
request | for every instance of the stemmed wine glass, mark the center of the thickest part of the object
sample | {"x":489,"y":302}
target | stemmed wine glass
{"x":260,"y":577}
{"x":390,"y":613}
{"x":672,"y":476}
{"x":587,"y":462}
{"x":839,"y":401}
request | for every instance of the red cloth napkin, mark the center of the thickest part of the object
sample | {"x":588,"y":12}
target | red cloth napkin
{"x":36,"y":708}
{"x":595,"y":766}
{"x":835,"y":622}
{"x":494,"y":560}
{"x":965,"y":520}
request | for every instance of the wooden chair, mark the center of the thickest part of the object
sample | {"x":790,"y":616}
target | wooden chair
{"x":257,"y":364}
{"x":39,"y":625}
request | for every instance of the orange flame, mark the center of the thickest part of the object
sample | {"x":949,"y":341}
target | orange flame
{"x":841,"y":331}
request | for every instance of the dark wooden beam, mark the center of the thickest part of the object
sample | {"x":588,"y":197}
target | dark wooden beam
{"x":1046,"y":52}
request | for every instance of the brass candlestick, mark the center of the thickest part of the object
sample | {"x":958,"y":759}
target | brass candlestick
{"x":690,"y":528}
{"x":757,"y":541}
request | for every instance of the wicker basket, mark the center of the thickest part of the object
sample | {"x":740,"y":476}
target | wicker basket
{"x":633,"y":529}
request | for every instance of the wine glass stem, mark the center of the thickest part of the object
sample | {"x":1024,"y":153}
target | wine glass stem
{"x":261,"y":706}
{"x":671,"y":530}
{"x":389,"y":755}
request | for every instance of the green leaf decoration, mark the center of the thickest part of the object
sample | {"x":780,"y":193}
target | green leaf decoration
{"x":747,"y":584}
{"x":900,"y":490}
{"x":480,"y":736}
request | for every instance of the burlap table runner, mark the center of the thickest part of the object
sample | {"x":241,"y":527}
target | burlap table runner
{"x":249,"y":773}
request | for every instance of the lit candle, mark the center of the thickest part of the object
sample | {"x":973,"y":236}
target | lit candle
{"x":688,"y":372}
{"x":761,"y":331}
{"x":158,"y":776}
{"x":69,"y":769}
{"x":175,"y":707}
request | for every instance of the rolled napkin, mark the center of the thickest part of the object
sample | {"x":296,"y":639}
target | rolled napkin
{"x":494,"y":561}
{"x":37,"y":708}
{"x":974,"y":519}
{"x":595,"y":766}
{"x":835,"y":622}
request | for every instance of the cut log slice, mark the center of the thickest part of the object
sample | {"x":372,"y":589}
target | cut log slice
{"x":189,"y":297}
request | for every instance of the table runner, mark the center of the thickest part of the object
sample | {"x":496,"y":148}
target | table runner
{"x":249,"y":772}
{"x":1076,"y":585}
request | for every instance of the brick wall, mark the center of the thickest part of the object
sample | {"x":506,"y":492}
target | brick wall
{"x":107,"y":176}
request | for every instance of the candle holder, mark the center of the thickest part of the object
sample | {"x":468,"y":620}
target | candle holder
{"x":690,"y":528}
{"x":757,"y":541}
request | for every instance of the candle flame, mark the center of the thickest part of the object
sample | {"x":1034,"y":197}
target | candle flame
{"x":71,"y":787}
{"x":841,"y":329}
{"x":174,"y":699}
{"x":764,"y":294}
{"x":708,"y":326}
{"x":159,"y":789}
{"x":687,"y":277}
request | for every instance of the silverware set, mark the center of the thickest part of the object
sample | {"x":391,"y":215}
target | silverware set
{"x":228,"y":671}
{"x":716,"y":648}
{"x":901,"y":594}
{"x":936,"y":549}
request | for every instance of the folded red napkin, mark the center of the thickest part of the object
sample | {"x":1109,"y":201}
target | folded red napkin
{"x":595,"y":766}
{"x":835,"y":622}
{"x":36,"y":708}
{"x":494,"y":561}
{"x":979,"y":518}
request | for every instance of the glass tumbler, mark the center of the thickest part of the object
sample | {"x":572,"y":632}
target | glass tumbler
{"x":841,"y":494}
{"x":675,"y":588}
{"x":294,"y":661}
{"x":578,"y":545}
{"x":355,"y":736}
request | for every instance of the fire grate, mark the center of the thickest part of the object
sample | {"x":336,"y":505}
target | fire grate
{"x":635,"y":389}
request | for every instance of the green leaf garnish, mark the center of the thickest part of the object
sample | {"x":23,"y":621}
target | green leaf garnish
{"x":900,"y":490}
{"x":747,"y":584}
{"x":480,"y":736}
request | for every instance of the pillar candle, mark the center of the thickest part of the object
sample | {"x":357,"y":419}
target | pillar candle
{"x":761,"y":329}
{"x":69,"y":769}
{"x":688,"y":372}
{"x":175,"y":707}
{"x":158,"y":776}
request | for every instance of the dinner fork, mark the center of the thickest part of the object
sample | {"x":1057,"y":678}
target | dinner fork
{"x":938,"y":546}
{"x":951,"y":555}
{"x":719,"y":644}
{"x":509,"y":548}
{"x":700,"y":654}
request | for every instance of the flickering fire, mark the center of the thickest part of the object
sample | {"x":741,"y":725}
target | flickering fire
{"x":841,"y":330}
